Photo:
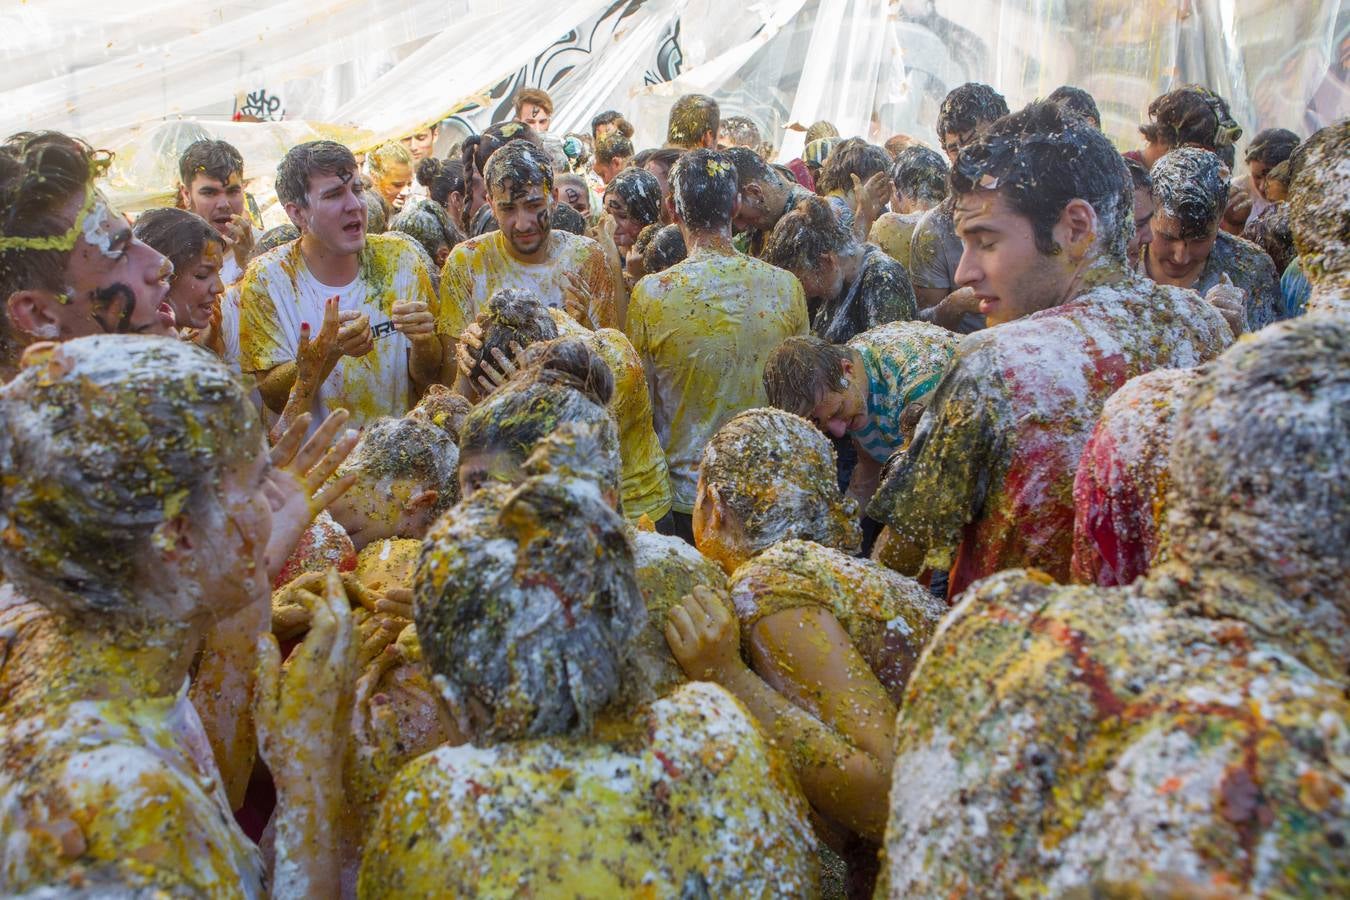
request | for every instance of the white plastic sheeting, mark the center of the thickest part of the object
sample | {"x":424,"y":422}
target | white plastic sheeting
{"x":114,"y":72}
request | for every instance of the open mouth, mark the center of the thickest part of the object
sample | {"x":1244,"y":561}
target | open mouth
{"x":353,"y":229}
{"x":166,"y":316}
{"x":986,"y":304}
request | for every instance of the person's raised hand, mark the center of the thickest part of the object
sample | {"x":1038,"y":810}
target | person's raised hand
{"x":1231,"y":301}
{"x":578,"y":299}
{"x":704,"y":636}
{"x":295,"y":487}
{"x":354,"y":335}
{"x":291,"y":606}
{"x":413,"y":318}
{"x":300,"y":714}
{"x":870,"y":199}
{"x":240,"y":239}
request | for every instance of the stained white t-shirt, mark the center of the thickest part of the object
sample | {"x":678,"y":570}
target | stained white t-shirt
{"x":279,"y":293}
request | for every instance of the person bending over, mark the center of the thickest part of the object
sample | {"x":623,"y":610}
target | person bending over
{"x":919,"y":183}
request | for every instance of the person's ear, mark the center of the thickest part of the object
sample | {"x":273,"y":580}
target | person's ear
{"x":442,"y":255}
{"x":709,"y":140}
{"x":736,"y":205}
{"x":183,"y":197}
{"x":422,"y":501}
{"x":846,"y":368}
{"x":173,"y":538}
{"x":35,"y":313}
{"x":672,"y":213}
{"x":1078,"y":227}
{"x":295,"y":213}
{"x":717,"y":511}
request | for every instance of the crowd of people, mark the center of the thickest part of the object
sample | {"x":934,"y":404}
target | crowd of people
{"x":558,"y":518}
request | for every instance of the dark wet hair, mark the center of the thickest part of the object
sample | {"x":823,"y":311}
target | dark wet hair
{"x":1077,"y":100}
{"x":613,"y":146}
{"x":704,"y":185}
{"x":441,"y":178}
{"x":180,"y":235}
{"x":1039,"y":159}
{"x":851,"y":157}
{"x":273,"y":238}
{"x":428,"y":223}
{"x":640,"y":192}
{"x":565,"y":218}
{"x":1139,"y":176}
{"x":615,"y":118}
{"x":40,"y":173}
{"x":663,"y":156}
{"x":751,"y":167}
{"x":520,"y":163}
{"x":216,"y":159}
{"x":692,"y":116}
{"x":801,"y":371}
{"x":806,"y":233}
{"x":304,"y":161}
{"x":1189,"y":186}
{"x":664,"y":249}
{"x":1271,"y":232}
{"x":477,"y":149}
{"x":1191,"y":116}
{"x":919,"y":173}
{"x":511,"y":316}
{"x":968,"y":107}
{"x":1272,"y":146}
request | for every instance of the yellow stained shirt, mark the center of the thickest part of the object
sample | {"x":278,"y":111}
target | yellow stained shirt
{"x":686,"y":798}
{"x":703,"y":329}
{"x":279,"y":293}
{"x":892,"y":232}
{"x":120,"y":795}
{"x":479,"y":267}
{"x":646,"y":480}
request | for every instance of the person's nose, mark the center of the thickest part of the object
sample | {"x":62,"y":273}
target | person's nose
{"x":968,"y":272}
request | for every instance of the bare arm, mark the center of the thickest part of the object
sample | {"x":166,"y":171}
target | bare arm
{"x":846,"y":781}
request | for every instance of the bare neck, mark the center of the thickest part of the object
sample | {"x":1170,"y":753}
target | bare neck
{"x":328,"y":267}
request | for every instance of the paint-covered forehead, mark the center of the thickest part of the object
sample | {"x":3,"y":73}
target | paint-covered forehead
{"x":102,"y":226}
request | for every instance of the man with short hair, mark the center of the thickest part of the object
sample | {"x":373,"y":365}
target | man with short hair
{"x":987,"y":482}
{"x":69,"y":263}
{"x":565,"y":271}
{"x":390,"y":346}
{"x":704,"y":326}
{"x":918,"y":184}
{"x":935,"y":249}
{"x":1079,"y":101}
{"x":211,"y":185}
{"x":609,"y":122}
{"x":694,"y":122}
{"x":1188,"y":249}
{"x":534,"y":107}
{"x":763,"y":198}
{"x":739,"y":131}
{"x":612,"y":153}
{"x":422,"y":142}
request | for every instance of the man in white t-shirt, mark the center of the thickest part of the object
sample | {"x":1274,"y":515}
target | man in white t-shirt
{"x":212,"y":186}
{"x":391,"y":342}
{"x":526,"y":253}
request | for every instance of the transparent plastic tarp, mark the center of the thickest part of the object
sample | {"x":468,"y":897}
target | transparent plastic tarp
{"x":375,"y":69}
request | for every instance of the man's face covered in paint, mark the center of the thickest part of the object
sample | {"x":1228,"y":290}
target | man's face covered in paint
{"x":115,"y":283}
{"x":524,"y":213}
{"x":1001,"y":262}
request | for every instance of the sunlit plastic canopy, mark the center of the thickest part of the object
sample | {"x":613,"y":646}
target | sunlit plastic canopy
{"x":370,"y":70}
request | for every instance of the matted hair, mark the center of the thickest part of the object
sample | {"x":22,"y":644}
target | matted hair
{"x":692,"y":116}
{"x":303,"y":161}
{"x":801,"y":371}
{"x":777,"y":473}
{"x":804,"y":234}
{"x":180,"y":235}
{"x":851,"y":157}
{"x":968,"y":107}
{"x":705,"y":188}
{"x":1039,"y":159}
{"x":1189,"y":186}
{"x":215,"y":159}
